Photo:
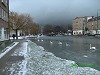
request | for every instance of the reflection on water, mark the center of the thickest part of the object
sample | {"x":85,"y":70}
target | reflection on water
{"x":73,"y":48}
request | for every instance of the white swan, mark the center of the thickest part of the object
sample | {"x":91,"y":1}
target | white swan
{"x":93,"y":48}
{"x":38,"y":36}
{"x":67,"y":44}
{"x":38,"y":40}
{"x":85,"y":56}
{"x":51,"y":42}
{"x":59,"y":43}
{"x":41,"y":40}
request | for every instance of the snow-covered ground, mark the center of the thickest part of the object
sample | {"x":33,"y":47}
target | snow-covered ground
{"x":18,"y":37}
{"x":28,"y":36}
{"x":39,"y":62}
{"x":46,"y":63}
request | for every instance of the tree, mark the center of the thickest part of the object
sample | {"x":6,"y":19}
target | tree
{"x":56,"y":29}
{"x":22,"y":22}
{"x":31,"y":28}
{"x":48,"y":29}
{"x":86,"y":29}
{"x":16,"y":21}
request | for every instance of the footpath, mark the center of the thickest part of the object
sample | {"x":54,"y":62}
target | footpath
{"x":5,"y":56}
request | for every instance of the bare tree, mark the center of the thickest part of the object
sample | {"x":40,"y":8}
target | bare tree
{"x":22,"y":22}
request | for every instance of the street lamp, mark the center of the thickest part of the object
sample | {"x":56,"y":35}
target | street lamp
{"x":97,"y":21}
{"x":83,"y":29}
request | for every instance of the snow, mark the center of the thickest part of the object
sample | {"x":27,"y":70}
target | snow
{"x":28,"y":36}
{"x":46,"y":63}
{"x":22,"y":51}
{"x":24,"y":63}
{"x":7,"y":49}
{"x":18,"y":37}
{"x":40,"y":62}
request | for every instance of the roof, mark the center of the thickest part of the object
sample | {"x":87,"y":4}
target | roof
{"x":94,"y":19}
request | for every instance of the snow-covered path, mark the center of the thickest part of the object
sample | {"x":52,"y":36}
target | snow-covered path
{"x":39,"y":62}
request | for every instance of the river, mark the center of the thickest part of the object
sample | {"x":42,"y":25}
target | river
{"x":73,"y":48}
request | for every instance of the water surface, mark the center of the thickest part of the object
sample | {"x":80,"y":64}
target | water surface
{"x":77,"y":48}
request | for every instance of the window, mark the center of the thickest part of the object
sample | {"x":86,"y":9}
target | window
{"x":0,"y":33}
{"x":5,"y":32}
{"x":7,"y":17}
{"x":0,"y":12}
{"x":76,"y":21}
{"x":5,"y":2}
{"x":4,"y":15}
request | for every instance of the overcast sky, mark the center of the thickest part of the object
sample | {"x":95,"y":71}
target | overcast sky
{"x":57,"y":12}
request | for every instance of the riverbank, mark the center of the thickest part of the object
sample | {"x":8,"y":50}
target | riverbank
{"x":46,"y":63}
{"x":35,"y":60}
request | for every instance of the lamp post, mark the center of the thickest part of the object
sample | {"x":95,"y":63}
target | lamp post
{"x":97,"y":21}
{"x":83,"y":29}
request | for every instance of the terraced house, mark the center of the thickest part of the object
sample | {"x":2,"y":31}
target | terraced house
{"x":91,"y":23}
{"x":4,"y":14}
{"x":80,"y":25}
{"x":93,"y":26}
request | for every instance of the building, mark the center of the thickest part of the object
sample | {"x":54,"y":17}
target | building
{"x":80,"y":25}
{"x":93,"y":26}
{"x":4,"y":14}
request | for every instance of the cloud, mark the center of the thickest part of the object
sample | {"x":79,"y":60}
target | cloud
{"x":55,"y":11}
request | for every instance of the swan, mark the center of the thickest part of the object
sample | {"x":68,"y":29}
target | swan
{"x":38,"y":40}
{"x":85,"y":56}
{"x":67,"y":44}
{"x":51,"y":42}
{"x":93,"y":48}
{"x":38,"y":36}
{"x":41,"y":40}
{"x":60,"y":43}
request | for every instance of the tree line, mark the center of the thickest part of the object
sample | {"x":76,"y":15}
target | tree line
{"x":56,"y":29}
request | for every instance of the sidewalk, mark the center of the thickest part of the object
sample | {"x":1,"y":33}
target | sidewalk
{"x":14,"y":56}
{"x":7,"y":55}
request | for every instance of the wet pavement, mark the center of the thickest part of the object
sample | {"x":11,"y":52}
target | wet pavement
{"x":12,"y":59}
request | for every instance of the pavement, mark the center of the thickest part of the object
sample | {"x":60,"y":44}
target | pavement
{"x":7,"y":57}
